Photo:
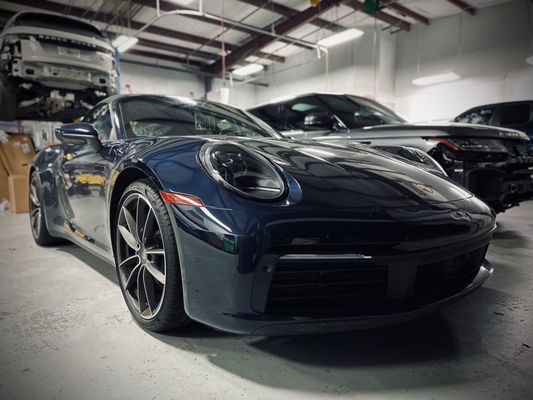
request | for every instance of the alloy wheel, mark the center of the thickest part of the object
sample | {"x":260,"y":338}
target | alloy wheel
{"x":35,"y":208}
{"x":141,"y":255}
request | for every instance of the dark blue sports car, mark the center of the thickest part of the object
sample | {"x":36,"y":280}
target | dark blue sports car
{"x":208,"y":214}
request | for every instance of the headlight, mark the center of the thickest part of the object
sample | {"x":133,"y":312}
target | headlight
{"x":242,"y":171}
{"x":472,"y":144}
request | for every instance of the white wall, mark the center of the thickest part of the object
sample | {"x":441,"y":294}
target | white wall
{"x":240,"y":95}
{"x":154,"y":80}
{"x":351,"y":70}
{"x":495,"y":44}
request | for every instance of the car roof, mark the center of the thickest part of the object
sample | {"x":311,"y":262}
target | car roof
{"x":12,"y":20}
{"x":503,"y":103}
{"x":284,"y":99}
{"x":184,"y":99}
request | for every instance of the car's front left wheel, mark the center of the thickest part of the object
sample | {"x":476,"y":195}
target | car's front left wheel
{"x":147,"y":259}
{"x":39,"y":230}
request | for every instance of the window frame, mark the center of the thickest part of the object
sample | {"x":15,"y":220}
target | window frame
{"x":500,"y":114}
{"x":113,"y":132}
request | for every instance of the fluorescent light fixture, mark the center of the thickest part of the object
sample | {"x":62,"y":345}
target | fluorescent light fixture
{"x":248,"y":70}
{"x":123,"y":43}
{"x":183,"y":2}
{"x":529,"y":60}
{"x":438,"y":78}
{"x":341,"y":37}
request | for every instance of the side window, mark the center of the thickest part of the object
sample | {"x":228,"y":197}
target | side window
{"x":100,"y":118}
{"x":516,"y":114}
{"x":480,"y":116}
{"x":296,"y":110}
{"x":268,"y":114}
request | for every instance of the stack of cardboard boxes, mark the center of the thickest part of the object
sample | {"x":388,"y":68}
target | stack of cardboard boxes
{"x":16,"y":153}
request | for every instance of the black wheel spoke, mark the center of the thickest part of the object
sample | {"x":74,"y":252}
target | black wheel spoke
{"x":129,"y":238}
{"x":152,"y":269}
{"x":34,"y":196}
{"x":149,"y":291}
{"x":141,"y":294}
{"x":148,"y":230}
{"x":141,"y":218}
{"x":35,"y":208}
{"x":132,"y":278}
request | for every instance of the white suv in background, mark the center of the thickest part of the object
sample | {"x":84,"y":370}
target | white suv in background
{"x":53,"y":67}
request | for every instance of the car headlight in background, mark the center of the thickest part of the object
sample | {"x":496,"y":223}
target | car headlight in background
{"x":242,"y":171}
{"x":473,"y":144}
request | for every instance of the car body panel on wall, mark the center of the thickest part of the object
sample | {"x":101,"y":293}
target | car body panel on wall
{"x":493,"y":163}
{"x":273,"y":236}
{"x":53,"y":67}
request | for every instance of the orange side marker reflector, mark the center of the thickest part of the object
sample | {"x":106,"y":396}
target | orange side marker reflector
{"x":182,"y":199}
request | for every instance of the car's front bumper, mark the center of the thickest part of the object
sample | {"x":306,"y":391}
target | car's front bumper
{"x":302,"y":326}
{"x":502,"y":185}
{"x":228,"y":270}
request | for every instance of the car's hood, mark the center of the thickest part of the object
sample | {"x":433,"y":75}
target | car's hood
{"x":354,"y":177}
{"x":440,"y":130}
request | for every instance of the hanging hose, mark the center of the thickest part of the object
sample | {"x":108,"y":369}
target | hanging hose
{"x":222,"y":44}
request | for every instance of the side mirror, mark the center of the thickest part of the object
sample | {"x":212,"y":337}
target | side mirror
{"x":79,"y":133}
{"x":318,"y":121}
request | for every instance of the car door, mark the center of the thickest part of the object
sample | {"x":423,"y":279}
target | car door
{"x":292,"y":115}
{"x":84,"y":172}
{"x":517,"y":116}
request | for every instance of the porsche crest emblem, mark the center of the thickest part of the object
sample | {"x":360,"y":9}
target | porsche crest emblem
{"x":424,"y":188}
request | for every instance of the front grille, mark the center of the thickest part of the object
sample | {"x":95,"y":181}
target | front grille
{"x":439,"y":280}
{"x":324,"y":286}
{"x":352,"y":287}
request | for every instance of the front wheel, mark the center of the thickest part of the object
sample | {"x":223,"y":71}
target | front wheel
{"x":147,"y":259}
{"x":39,"y":229}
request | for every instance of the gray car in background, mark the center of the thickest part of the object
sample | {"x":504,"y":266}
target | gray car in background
{"x":53,"y":67}
{"x":491,"y":162}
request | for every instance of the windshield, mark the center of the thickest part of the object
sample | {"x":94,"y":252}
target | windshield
{"x":57,"y":22}
{"x":172,"y":116}
{"x":356,"y":112}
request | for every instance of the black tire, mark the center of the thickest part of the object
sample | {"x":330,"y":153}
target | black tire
{"x":39,"y":230}
{"x":8,"y":101}
{"x":147,"y":262}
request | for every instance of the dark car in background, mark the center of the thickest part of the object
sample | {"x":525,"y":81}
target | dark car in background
{"x":491,"y":162}
{"x":209,"y":214}
{"x":514,"y":114}
{"x":53,"y":67}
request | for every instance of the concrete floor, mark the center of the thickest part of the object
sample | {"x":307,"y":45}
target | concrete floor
{"x":65,"y":333}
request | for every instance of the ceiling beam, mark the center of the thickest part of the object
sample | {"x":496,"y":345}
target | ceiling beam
{"x":280,"y":28}
{"x":167,"y":6}
{"x":407,"y":12}
{"x":463,"y":6}
{"x":165,"y":57}
{"x":381,"y":15}
{"x":176,"y":49}
{"x":134,"y":25}
{"x":291,"y":12}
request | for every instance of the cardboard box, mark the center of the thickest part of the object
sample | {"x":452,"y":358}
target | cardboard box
{"x":18,"y":193}
{"x":17,"y":154}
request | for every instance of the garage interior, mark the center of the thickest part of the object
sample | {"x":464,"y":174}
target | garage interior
{"x":65,"y":330}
